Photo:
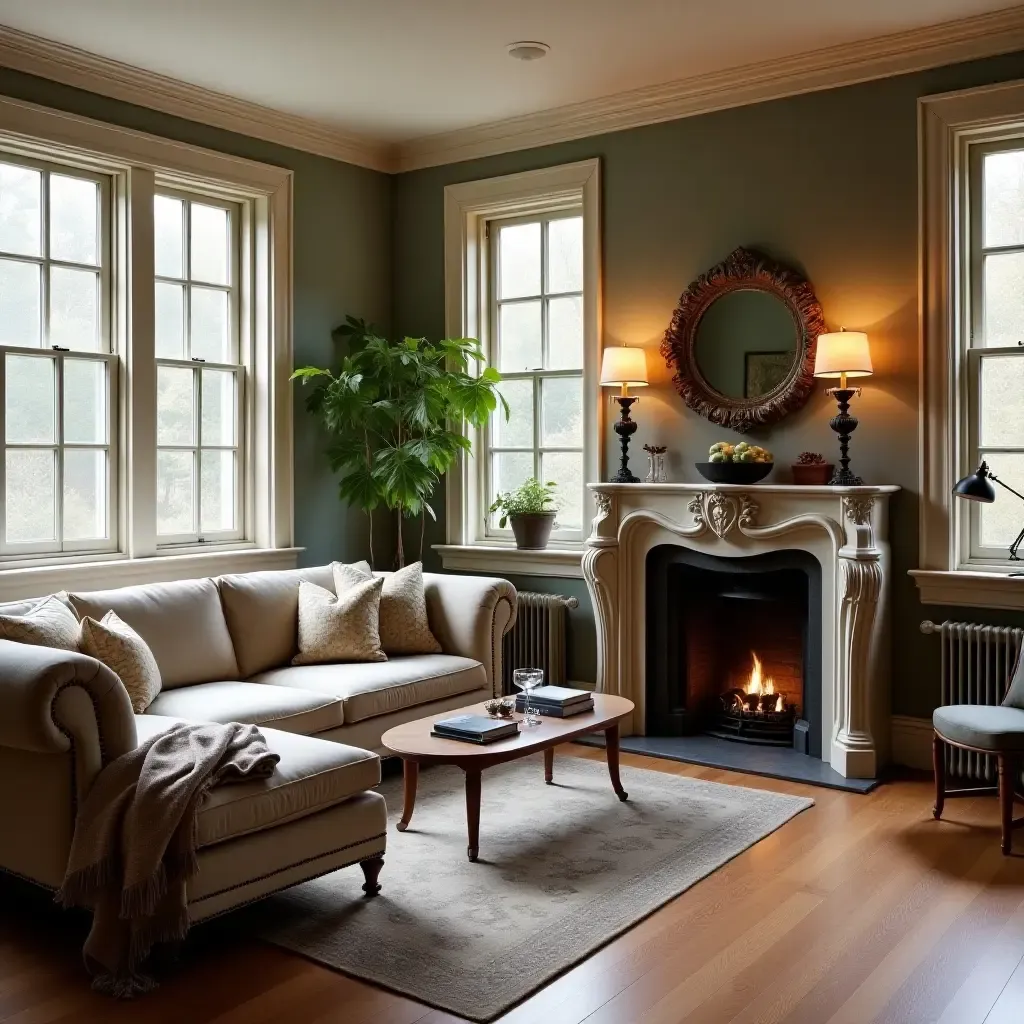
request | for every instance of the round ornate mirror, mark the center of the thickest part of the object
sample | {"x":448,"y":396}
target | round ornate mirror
{"x":742,"y":341}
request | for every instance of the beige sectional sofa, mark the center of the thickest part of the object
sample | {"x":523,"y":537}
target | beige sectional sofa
{"x":224,"y":648}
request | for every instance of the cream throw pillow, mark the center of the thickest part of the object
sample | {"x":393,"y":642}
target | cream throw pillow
{"x":126,"y":654}
{"x":50,"y":623}
{"x":343,"y":628}
{"x":404,"y":627}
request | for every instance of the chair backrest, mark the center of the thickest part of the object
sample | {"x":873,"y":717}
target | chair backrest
{"x":1015,"y":694}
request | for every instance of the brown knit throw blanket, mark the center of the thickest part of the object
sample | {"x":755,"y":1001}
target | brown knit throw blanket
{"x":134,"y":846}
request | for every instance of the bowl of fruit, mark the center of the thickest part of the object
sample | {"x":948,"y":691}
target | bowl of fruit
{"x":741,"y":463}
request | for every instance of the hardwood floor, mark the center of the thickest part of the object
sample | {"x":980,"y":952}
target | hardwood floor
{"x":861,"y":910}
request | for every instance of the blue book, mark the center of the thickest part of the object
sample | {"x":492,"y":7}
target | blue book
{"x":478,"y":728}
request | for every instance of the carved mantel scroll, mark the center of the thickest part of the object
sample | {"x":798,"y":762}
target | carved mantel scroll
{"x":844,"y":528}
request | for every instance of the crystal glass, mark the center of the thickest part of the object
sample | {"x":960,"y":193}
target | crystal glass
{"x":527,"y":680}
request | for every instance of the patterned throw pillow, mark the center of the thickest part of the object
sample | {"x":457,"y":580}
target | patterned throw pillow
{"x":126,"y":654}
{"x":50,"y":623}
{"x":404,"y":628}
{"x":343,"y":628}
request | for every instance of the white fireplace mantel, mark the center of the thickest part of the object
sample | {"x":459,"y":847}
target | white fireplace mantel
{"x":844,"y":528}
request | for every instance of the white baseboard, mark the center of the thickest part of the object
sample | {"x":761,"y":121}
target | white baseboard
{"x":912,"y":741}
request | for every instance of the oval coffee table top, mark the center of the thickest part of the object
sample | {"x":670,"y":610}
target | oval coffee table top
{"x":413,"y":739}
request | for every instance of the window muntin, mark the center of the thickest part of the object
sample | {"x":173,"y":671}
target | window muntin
{"x":994,"y":407}
{"x":59,"y":377}
{"x":200,"y":369}
{"x":535,"y":303}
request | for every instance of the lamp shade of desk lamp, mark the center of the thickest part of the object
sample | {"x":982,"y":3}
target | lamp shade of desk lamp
{"x":624,"y":368}
{"x":839,"y":356}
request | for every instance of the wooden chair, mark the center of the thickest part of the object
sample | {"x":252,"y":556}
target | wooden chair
{"x":985,"y":729}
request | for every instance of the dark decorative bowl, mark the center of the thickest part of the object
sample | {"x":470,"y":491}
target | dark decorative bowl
{"x":734,"y":472}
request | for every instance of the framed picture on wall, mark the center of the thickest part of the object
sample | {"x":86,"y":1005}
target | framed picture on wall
{"x":765,"y":371}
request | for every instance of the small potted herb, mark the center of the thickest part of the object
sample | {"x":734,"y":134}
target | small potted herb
{"x":811,"y":468}
{"x":531,"y":509}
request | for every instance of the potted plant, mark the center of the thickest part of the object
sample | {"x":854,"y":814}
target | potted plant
{"x":531,"y":509}
{"x":395,"y":412}
{"x":811,"y":468}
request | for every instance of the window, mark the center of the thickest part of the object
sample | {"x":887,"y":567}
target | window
{"x":59,"y":480}
{"x":522,"y":264}
{"x":145,"y":349}
{"x":535,"y":274}
{"x":200,"y":472}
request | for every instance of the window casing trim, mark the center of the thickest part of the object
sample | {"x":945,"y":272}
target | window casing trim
{"x":137,"y":162}
{"x":468,"y":208}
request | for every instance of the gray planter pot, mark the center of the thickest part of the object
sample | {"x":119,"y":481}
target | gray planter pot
{"x":532,"y":531}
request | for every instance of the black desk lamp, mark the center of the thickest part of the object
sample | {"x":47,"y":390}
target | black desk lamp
{"x":976,"y":487}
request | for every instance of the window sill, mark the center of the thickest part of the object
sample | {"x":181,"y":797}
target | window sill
{"x":18,"y":582}
{"x":508,"y":559}
{"x":971,"y":588}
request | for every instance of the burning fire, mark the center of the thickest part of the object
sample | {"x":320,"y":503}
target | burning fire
{"x":763,"y":685}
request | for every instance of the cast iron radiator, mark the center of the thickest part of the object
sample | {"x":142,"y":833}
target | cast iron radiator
{"x":537,"y":640}
{"x":977,"y":662}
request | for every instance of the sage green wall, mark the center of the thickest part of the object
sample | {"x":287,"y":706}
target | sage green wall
{"x":826,"y":182}
{"x":342,"y":264}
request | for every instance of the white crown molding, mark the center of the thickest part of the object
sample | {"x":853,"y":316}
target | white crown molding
{"x":70,"y":66}
{"x":835,"y":66}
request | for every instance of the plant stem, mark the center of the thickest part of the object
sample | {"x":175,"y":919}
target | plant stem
{"x":400,"y":554}
{"x":423,"y":529}
{"x":369,"y":518}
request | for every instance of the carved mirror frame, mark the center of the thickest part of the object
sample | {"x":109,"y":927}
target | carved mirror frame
{"x":744,"y":269}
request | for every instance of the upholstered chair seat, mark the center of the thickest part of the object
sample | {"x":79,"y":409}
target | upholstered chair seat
{"x":981,"y":726}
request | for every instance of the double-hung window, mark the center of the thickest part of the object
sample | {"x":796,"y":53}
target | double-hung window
{"x":522,"y":275}
{"x":59,"y":396}
{"x":200,"y":369}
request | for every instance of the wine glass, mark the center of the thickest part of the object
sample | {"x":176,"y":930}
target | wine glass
{"x":528,"y":679}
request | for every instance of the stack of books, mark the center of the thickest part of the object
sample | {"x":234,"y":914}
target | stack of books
{"x":474,"y":729}
{"x":557,"y":701}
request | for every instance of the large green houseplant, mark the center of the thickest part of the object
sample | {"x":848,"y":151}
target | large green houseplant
{"x":395,"y":412}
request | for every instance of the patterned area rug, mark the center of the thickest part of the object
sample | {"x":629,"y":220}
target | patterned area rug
{"x":563,"y":869}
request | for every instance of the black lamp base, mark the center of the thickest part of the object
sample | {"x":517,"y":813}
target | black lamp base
{"x":844,"y":425}
{"x":625,"y":428}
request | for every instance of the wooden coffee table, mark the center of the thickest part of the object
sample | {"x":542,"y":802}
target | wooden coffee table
{"x":414,"y":744}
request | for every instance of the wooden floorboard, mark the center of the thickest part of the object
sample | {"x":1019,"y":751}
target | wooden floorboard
{"x":862,"y":910}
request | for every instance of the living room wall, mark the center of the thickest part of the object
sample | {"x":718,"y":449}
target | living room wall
{"x":342,"y":264}
{"x":826,"y":182}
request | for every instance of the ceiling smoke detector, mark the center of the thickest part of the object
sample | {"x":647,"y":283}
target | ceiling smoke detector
{"x":528,"y":50}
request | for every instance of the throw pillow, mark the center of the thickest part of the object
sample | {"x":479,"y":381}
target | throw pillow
{"x":342,"y":628}
{"x":126,"y":654}
{"x":49,"y":623}
{"x":404,"y":627}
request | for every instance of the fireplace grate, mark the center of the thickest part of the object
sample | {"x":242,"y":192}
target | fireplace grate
{"x":771,"y":728}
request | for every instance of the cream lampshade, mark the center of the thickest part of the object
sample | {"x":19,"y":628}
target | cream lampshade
{"x":842,"y":355}
{"x":838,"y":356}
{"x":624,"y":367}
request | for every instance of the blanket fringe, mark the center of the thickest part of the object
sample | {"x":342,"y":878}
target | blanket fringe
{"x":141,"y":899}
{"x":80,"y":888}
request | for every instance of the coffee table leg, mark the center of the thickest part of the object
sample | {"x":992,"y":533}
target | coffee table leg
{"x":410,"y":775}
{"x":473,"y":811}
{"x":611,"y":744}
{"x":549,"y":765}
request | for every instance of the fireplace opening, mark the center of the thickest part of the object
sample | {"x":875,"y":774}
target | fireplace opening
{"x":734,"y":647}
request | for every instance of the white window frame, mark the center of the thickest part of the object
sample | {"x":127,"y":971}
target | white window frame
{"x":469,"y":207}
{"x":138,"y":165}
{"x":955,"y":128}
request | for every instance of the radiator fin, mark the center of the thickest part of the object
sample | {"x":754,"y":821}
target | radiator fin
{"x":977,"y":662}
{"x":538,"y":639}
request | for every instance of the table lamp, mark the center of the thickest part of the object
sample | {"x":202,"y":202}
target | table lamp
{"x":838,"y":356}
{"x":976,"y":487}
{"x":624,"y":368}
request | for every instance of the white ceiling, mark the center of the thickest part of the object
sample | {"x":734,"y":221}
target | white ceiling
{"x":396,"y":70}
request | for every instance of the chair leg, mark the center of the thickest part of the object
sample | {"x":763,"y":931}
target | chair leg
{"x":939,"y":763}
{"x":1007,"y":778}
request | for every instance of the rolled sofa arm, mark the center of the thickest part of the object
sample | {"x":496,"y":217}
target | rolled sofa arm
{"x":469,"y":615}
{"x":52,"y":700}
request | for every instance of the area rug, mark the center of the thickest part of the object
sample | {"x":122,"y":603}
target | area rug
{"x":563,"y":869}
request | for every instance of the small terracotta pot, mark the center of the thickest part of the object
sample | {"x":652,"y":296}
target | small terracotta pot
{"x":812,"y":473}
{"x":532,"y":531}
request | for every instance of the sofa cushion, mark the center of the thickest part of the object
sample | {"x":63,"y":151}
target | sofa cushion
{"x":311,"y":776}
{"x":375,"y":688}
{"x":182,"y":623}
{"x":126,"y":654}
{"x":339,"y":628}
{"x":282,"y":707}
{"x":262,"y":613}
